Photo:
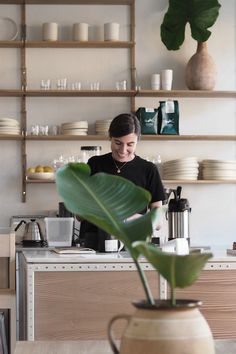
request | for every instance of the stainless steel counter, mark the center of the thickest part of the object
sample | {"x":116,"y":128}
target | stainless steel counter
{"x":46,"y":263}
{"x":48,"y":256}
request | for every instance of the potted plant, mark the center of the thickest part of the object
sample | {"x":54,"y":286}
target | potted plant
{"x":201,"y":15}
{"x":108,"y":201}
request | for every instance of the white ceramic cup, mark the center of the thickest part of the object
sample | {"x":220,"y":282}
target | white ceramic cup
{"x":113,"y":245}
{"x":80,"y":31}
{"x":111,"y":31}
{"x":155,"y":82}
{"x":50,"y":31}
{"x":166,"y":79}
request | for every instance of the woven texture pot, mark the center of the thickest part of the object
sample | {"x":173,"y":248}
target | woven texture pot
{"x":201,"y":70}
{"x":162,"y":329}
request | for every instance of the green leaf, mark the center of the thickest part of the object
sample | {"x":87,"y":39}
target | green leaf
{"x":107,"y":201}
{"x":179,"y":271}
{"x":200,"y":14}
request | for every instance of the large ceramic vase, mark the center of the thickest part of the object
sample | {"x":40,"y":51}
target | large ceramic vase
{"x":201,"y":70}
{"x":163,"y":329}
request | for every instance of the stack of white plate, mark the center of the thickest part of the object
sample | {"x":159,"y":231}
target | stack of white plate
{"x":102,"y":126}
{"x":185,"y":169}
{"x":9,"y":126}
{"x":219,"y":169}
{"x":75,"y":128}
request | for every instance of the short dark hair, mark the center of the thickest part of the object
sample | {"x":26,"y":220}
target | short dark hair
{"x":124,"y":124}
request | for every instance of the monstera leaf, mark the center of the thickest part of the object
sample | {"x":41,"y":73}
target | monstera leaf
{"x":179,"y":271}
{"x":107,"y":201}
{"x":200,"y":14}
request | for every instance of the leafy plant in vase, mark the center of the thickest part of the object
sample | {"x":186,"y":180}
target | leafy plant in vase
{"x":108,"y":201}
{"x":200,"y":14}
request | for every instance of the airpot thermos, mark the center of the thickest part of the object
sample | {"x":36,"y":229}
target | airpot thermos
{"x":178,"y":216}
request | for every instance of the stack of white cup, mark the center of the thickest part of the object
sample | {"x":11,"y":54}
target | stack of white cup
{"x":163,"y":81}
{"x":166,"y":79}
{"x":80,"y":31}
{"x":50,"y":31}
{"x":111,"y":31}
{"x":155,"y":82}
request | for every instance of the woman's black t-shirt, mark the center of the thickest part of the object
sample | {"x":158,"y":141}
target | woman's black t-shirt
{"x":141,"y":172}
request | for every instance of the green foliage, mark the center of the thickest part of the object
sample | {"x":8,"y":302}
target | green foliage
{"x":179,"y":271}
{"x":107,"y":201}
{"x":200,"y":14}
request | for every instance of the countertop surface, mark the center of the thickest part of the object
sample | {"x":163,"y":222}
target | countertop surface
{"x":48,"y":256}
{"x":95,"y":347}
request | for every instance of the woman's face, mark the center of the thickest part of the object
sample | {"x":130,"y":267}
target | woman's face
{"x":123,"y":148}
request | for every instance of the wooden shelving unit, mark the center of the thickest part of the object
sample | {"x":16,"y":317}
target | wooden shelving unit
{"x":23,"y":44}
{"x":23,"y":92}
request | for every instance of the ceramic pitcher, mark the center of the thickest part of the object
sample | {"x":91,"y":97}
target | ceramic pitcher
{"x":162,"y":329}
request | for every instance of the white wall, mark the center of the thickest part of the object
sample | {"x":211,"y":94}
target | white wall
{"x":213,"y":206}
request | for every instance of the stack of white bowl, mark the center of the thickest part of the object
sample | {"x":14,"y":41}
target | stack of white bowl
{"x":102,"y":126}
{"x":185,"y":169}
{"x":75,"y":128}
{"x":219,"y":169}
{"x":9,"y":126}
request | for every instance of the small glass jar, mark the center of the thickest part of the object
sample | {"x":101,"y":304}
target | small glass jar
{"x":89,"y":151}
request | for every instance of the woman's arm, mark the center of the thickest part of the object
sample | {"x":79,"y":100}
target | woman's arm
{"x":157,"y":204}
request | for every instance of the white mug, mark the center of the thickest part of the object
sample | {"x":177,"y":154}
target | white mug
{"x":80,"y":31}
{"x":113,"y":245}
{"x":155,"y":82}
{"x":166,"y":79}
{"x":111,"y":31}
{"x":50,"y":31}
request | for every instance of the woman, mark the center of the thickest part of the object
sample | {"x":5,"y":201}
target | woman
{"x":124,"y":133}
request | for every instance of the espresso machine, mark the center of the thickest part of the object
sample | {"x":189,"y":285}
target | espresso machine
{"x":178,"y":216}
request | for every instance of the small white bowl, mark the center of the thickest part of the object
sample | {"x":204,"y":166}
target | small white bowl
{"x":42,"y":175}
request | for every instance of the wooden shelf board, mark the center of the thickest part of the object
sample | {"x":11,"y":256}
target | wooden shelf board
{"x":143,"y":137}
{"x":67,"y":137}
{"x":164,"y":181}
{"x":189,"y":137}
{"x":10,"y":137}
{"x":33,"y":181}
{"x":80,"y":93}
{"x":202,"y":181}
{"x":119,"y":93}
{"x":77,"y":44}
{"x":11,"y":44}
{"x":68,"y":2}
{"x":11,"y":93}
{"x":187,"y":93}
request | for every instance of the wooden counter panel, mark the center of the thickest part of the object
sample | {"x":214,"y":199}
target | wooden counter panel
{"x":3,"y":273}
{"x":78,"y":305}
{"x":217,"y":290}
